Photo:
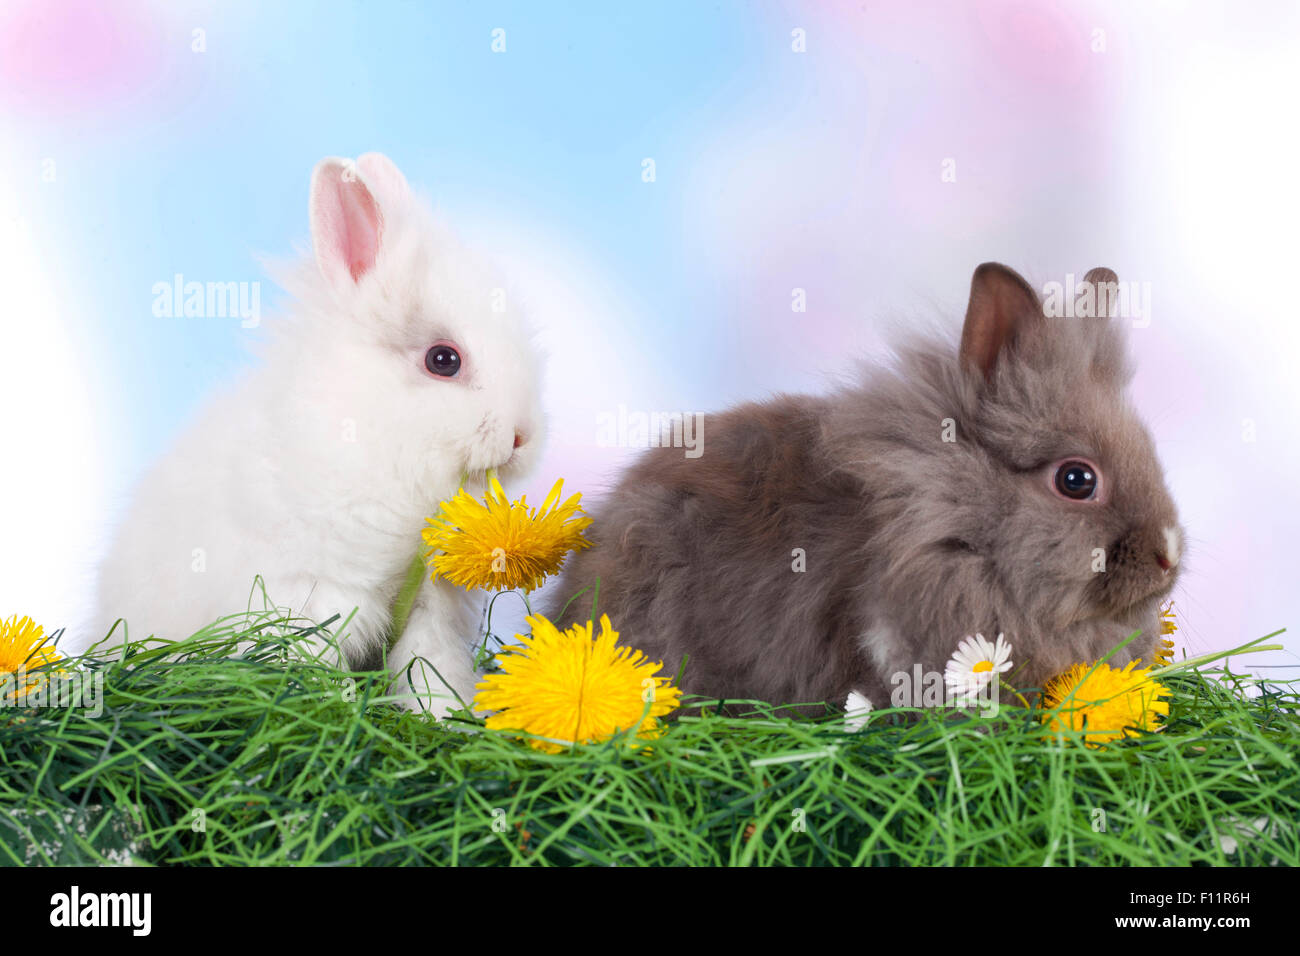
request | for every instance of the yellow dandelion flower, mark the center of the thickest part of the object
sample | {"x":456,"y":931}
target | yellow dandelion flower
{"x":571,"y":687}
{"x":496,"y":544}
{"x":1105,"y":703}
{"x":1164,"y":652}
{"x":23,"y":648}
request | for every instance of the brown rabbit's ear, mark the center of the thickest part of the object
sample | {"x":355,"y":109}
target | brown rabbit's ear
{"x":1099,"y":294}
{"x":1000,"y":301}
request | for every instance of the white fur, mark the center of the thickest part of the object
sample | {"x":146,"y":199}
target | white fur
{"x":878,"y":642}
{"x":318,"y":469}
{"x":1173,"y":546}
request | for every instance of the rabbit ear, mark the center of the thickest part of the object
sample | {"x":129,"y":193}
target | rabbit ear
{"x":345,"y":222}
{"x":1099,"y":293}
{"x":383,"y":176}
{"x":1000,"y":300}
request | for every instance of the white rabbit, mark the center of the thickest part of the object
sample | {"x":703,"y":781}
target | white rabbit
{"x":392,"y":378}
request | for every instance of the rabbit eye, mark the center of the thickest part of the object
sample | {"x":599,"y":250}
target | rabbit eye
{"x":442,"y":360}
{"x":1076,"y":480}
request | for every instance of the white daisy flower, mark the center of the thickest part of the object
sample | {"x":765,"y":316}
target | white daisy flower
{"x":857,"y":711}
{"x":974,"y":664}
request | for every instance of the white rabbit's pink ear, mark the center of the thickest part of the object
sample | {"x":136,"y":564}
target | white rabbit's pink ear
{"x":383,"y":176}
{"x":346,"y":222}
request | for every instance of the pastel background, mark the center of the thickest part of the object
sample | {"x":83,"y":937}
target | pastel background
{"x":1144,"y":137}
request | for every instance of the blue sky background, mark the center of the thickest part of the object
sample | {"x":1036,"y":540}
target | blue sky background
{"x":208,"y":166}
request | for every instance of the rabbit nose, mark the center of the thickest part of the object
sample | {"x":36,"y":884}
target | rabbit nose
{"x":519,"y":439}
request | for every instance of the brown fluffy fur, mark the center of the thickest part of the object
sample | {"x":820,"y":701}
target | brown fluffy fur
{"x":911,"y":542}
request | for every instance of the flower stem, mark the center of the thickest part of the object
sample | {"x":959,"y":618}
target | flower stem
{"x":1249,"y":647}
{"x":1019,"y":696}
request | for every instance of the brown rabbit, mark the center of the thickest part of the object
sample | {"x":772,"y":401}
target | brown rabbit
{"x":822,"y":545}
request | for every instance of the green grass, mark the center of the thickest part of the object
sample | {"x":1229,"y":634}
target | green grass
{"x":204,"y":758}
